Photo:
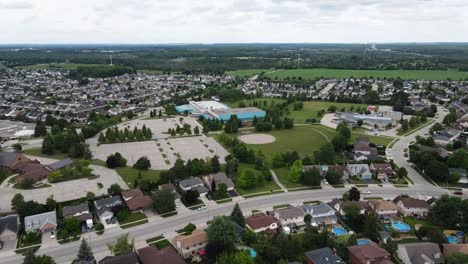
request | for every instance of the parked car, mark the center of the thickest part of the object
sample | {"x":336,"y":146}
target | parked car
{"x":366,"y":192}
{"x":458,"y":193}
{"x":325,"y":181}
{"x":52,"y":235}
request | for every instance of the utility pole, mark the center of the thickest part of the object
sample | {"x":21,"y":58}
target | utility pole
{"x":110,"y":58}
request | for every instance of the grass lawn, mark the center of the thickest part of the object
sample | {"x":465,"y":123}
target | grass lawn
{"x":412,"y":130}
{"x":21,"y":187}
{"x":21,"y":243}
{"x":150,"y":71}
{"x":267,"y":186}
{"x":132,"y":217}
{"x":37,"y":153}
{"x":282,"y":174}
{"x":260,"y":102}
{"x":413,"y":221}
{"x":332,"y":73}
{"x":129,"y":174}
{"x":154,"y":239}
{"x":162,"y":244}
{"x":311,"y":108}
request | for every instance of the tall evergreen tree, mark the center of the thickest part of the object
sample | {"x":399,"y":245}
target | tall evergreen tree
{"x":237,"y":215}
{"x":85,"y":253}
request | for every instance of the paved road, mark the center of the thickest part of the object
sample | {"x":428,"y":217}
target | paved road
{"x":65,"y":253}
{"x":397,"y":151}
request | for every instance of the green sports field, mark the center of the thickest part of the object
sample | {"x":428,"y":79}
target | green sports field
{"x":332,"y":73}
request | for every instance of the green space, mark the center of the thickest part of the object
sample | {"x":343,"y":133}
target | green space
{"x":261,"y":101}
{"x":311,"y":108}
{"x":282,"y":174}
{"x":332,"y":73}
{"x":29,"y":241}
{"x":412,"y":130}
{"x":154,"y":239}
{"x":150,"y":71}
{"x":57,"y":66}
{"x":198,"y":204}
{"x":162,"y":244}
{"x":130,"y":174}
{"x":37,"y":153}
{"x":267,"y":187}
{"x":127,"y":219}
{"x":22,"y":186}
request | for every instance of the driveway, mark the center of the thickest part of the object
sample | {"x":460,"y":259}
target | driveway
{"x":64,"y":191}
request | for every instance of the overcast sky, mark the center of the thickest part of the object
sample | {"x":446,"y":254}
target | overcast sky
{"x":232,"y":21}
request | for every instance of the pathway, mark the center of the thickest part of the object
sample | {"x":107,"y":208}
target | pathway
{"x":273,"y":174}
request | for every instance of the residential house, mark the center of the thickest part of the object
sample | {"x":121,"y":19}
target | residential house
{"x":214,"y":180}
{"x":127,"y":258}
{"x":191,"y":245}
{"x":292,"y":216}
{"x":386,"y":210}
{"x":446,"y":136}
{"x":449,"y":249}
{"x":10,"y":160}
{"x":41,"y":223}
{"x":60,"y":164}
{"x":363,"y":150}
{"x":137,"y":201}
{"x":193,"y":183}
{"x":382,"y":171}
{"x":170,"y":187}
{"x":360,"y":170}
{"x":420,"y":253}
{"x":323,"y":256}
{"x":368,"y":254}
{"x":80,"y":211}
{"x":363,"y":206}
{"x":106,"y":207}
{"x":33,"y":171}
{"x":411,"y":206}
{"x":9,"y":227}
{"x":262,"y":223}
{"x":322,"y":214}
{"x":323,"y":169}
{"x":153,"y":255}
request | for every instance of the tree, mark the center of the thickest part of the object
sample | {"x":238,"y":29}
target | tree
{"x":311,"y":177}
{"x":85,"y":253}
{"x":221,"y":237}
{"x":40,"y":129}
{"x":404,"y":125}
{"x":51,"y":204}
{"x":325,"y":154}
{"x":371,"y":223}
{"x":402,"y":172}
{"x":354,"y":194}
{"x":196,"y":130}
{"x":437,"y":171}
{"x":308,"y":219}
{"x":31,"y":258}
{"x":189,"y":228}
{"x":215,"y":165}
{"x":339,"y":142}
{"x":239,"y":257}
{"x":121,"y":246}
{"x":344,"y":130}
{"x":17,"y":201}
{"x":444,"y":211}
{"x":116,"y":160}
{"x":114,"y":189}
{"x":247,"y":179}
{"x":17,"y":147}
{"x":360,"y":122}
{"x":221,"y":192}
{"x":457,"y":258}
{"x":142,"y":163}
{"x":237,"y":215}
{"x":164,"y":201}
{"x":295,"y":171}
{"x":333,"y":177}
{"x":191,"y":197}
{"x":459,"y":159}
{"x":48,"y":145}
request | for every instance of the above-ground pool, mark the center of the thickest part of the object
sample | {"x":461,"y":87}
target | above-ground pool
{"x":401,"y":226}
{"x":362,"y":242}
{"x":339,"y":231}
{"x":452,"y":239}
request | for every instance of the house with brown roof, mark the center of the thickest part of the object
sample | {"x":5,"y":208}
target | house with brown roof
{"x":339,"y":205}
{"x":262,"y":223}
{"x":214,"y":180}
{"x":126,"y":258}
{"x":10,"y":160}
{"x":152,"y":255}
{"x":382,"y":171}
{"x":368,"y":254}
{"x":136,"y":200}
{"x":411,"y":206}
{"x":32,"y":170}
{"x":363,"y":150}
{"x":191,"y":245}
{"x":386,"y":210}
{"x":449,"y":249}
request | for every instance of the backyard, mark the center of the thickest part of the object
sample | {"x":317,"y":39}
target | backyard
{"x":130,"y":174}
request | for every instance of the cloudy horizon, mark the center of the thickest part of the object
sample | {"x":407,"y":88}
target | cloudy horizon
{"x":232,"y":21}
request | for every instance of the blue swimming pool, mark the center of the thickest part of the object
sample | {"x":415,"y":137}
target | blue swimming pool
{"x":339,"y":231}
{"x":253,"y":253}
{"x":362,"y":242}
{"x":401,"y":226}
{"x":452,"y":239}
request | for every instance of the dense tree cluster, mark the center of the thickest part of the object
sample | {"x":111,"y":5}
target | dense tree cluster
{"x":116,"y":160}
{"x":68,"y":141}
{"x":98,"y":122}
{"x":116,"y":135}
{"x":103,"y":71}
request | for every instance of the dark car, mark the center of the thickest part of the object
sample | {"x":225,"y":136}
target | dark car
{"x":458,"y":193}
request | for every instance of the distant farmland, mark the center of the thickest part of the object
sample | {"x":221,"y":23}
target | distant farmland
{"x":330,"y":73}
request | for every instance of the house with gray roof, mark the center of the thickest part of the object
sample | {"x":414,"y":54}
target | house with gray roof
{"x":60,"y":164}
{"x":80,"y":211}
{"x":291,"y":216}
{"x":10,"y":160}
{"x":105,"y":207}
{"x":9,"y":227}
{"x":360,"y":170}
{"x":193,"y":183}
{"x":323,"y":256}
{"x":322,"y":214}
{"x":216,"y":179}
{"x":41,"y":223}
{"x":420,"y":253}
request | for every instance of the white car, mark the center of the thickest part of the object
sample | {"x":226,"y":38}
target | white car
{"x":366,"y":192}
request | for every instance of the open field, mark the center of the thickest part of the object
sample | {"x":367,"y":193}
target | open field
{"x":37,"y":153}
{"x":267,"y":186}
{"x":282,"y":174}
{"x":331,"y":73}
{"x":59,"y":66}
{"x":129,"y":174}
